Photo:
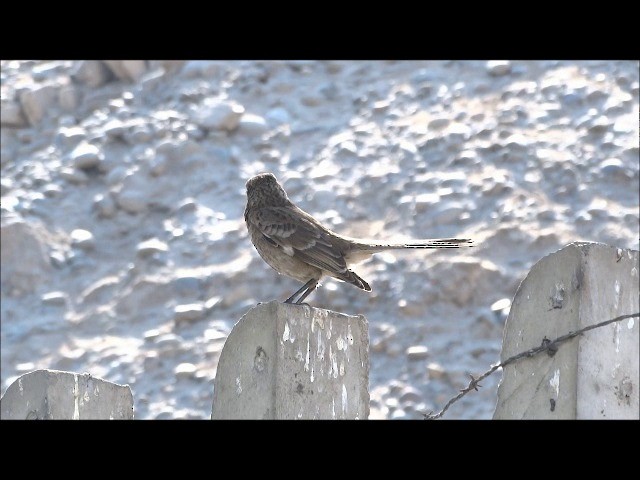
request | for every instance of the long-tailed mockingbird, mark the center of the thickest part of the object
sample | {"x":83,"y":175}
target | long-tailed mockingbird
{"x":295,"y":244}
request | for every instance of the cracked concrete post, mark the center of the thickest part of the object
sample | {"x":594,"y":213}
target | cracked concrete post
{"x":593,"y":376}
{"x":284,"y":361}
{"x":56,"y":395}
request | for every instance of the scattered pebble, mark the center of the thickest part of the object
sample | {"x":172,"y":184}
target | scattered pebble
{"x":189,"y":313}
{"x":502,"y":304}
{"x":85,"y":156}
{"x":498,"y":68}
{"x":435,"y":371}
{"x":251,"y":124}
{"x":150,"y":247}
{"x":82,"y":239}
{"x":55,"y":299}
{"x":185,"y":370}
{"x":417,"y":352}
{"x":219,"y":115}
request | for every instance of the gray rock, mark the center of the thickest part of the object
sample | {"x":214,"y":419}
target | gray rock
{"x":219,"y":115}
{"x":329,"y":91}
{"x":55,"y":299}
{"x":70,"y":137}
{"x":626,"y":124}
{"x":185,"y":370}
{"x":6,"y":185}
{"x":92,"y":73}
{"x":11,"y":115}
{"x":114,"y":129}
{"x":211,"y":303}
{"x":311,"y":100}
{"x":438,"y":123}
{"x":82,"y":239}
{"x":423,"y":75}
{"x":127,"y":70}
{"x":104,"y":205}
{"x":417,"y":352}
{"x":200,"y":68}
{"x":253,"y":125}
{"x":498,"y":68}
{"x":399,"y":414}
{"x":599,"y":125}
{"x":187,"y":286}
{"x":410,"y":395}
{"x":150,"y":247}
{"x":448,"y":215}
{"x":24,"y":257}
{"x":278,"y":116}
{"x":613,"y":168}
{"x":158,"y":165}
{"x":189,"y":313}
{"x":117,"y":175}
{"x":169,"y":66}
{"x":458,"y":132}
{"x":69,"y":98}
{"x":139,"y":134}
{"x":436,"y":371}
{"x":38,"y":101}
{"x":131,"y":201}
{"x":86,"y":156}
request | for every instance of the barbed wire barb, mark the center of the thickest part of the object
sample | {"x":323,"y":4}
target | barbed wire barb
{"x":549,"y":346}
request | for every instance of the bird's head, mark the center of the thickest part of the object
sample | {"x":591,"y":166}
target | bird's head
{"x":264,"y":190}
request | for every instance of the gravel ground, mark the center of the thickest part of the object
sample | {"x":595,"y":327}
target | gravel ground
{"x":124,"y":250}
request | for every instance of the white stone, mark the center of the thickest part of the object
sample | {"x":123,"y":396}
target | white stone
{"x":498,"y":68}
{"x":82,"y":239}
{"x":71,"y":136}
{"x":500,"y":305}
{"x":185,"y":370}
{"x":219,"y":116}
{"x":417,"y":352}
{"x":73,"y":176}
{"x":251,"y":124}
{"x":86,"y":156}
{"x":435,"y":370}
{"x":55,"y":298}
{"x":113,"y":128}
{"x":151,"y":246}
{"x":188,"y":313}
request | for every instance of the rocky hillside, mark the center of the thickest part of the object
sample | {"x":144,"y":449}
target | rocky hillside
{"x":124,"y":250}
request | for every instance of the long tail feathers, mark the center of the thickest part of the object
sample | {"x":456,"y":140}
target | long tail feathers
{"x":429,"y":243}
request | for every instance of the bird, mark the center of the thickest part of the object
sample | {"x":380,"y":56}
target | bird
{"x":297,"y":245}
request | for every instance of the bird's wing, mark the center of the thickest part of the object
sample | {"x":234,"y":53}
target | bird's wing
{"x":297,"y":236}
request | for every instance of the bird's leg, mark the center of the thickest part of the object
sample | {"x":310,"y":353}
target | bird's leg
{"x":307,"y":288}
{"x":310,"y":289}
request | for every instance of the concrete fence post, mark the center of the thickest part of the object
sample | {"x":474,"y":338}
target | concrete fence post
{"x":593,"y":376}
{"x":56,"y":395}
{"x":284,"y":361}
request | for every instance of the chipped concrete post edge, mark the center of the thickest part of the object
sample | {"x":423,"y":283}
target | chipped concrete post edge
{"x":284,"y":361}
{"x":56,"y":395}
{"x":593,"y":376}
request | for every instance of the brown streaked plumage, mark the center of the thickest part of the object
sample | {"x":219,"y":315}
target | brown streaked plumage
{"x":295,"y":244}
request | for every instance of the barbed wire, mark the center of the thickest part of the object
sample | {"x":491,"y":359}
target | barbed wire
{"x":549,"y":346}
